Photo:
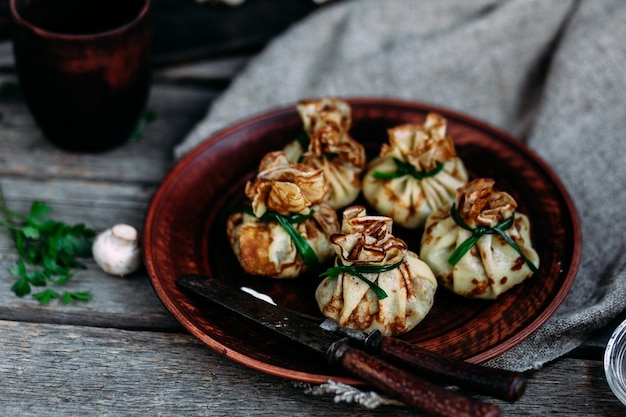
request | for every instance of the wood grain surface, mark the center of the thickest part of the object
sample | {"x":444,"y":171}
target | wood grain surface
{"x":61,"y":370}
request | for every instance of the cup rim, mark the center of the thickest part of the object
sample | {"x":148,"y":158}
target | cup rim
{"x":18,"y":19}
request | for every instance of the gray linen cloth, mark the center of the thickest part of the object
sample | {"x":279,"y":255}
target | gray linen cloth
{"x":552,"y":73}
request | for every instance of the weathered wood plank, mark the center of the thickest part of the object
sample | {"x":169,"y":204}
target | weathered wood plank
{"x":24,"y":151}
{"x":50,"y":370}
{"x":203,"y":72}
{"x":128,"y":302}
{"x":97,"y":204}
{"x":98,"y":190}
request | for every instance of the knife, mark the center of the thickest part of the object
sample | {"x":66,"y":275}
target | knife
{"x":503,"y":384}
{"x":395,"y":382}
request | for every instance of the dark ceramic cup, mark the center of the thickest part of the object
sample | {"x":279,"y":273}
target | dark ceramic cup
{"x":84,"y":68}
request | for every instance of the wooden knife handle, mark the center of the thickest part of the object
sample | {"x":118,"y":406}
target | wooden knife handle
{"x":406,"y":387}
{"x":499,"y":383}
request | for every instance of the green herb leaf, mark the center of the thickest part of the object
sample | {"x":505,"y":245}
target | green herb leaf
{"x":47,"y":249}
{"x":30,"y":232}
{"x":18,"y":269}
{"x":405,"y":168}
{"x":21,"y":287}
{"x":146,"y":117}
{"x":358,"y":271}
{"x":479,"y":232}
{"x":302,"y":246}
{"x":38,"y":211}
{"x":36,"y":277}
{"x":80,"y":296}
{"x":306,"y":251}
{"x":68,"y":297}
{"x":44,"y":297}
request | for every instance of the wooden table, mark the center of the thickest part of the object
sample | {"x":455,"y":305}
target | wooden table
{"x":122,"y":354}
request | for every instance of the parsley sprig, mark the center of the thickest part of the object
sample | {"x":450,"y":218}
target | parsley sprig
{"x":48,"y":251}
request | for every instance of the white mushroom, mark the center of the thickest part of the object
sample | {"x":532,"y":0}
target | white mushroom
{"x":116,"y":250}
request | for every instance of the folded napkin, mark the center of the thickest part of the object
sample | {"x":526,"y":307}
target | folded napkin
{"x":552,"y":73}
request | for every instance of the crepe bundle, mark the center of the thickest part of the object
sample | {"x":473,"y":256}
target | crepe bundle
{"x":286,"y":230}
{"x":479,"y":247}
{"x":415,"y":174}
{"x":327,"y":145}
{"x":377,"y":283}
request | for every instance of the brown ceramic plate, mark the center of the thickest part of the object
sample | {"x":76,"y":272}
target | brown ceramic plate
{"x":185,"y":233}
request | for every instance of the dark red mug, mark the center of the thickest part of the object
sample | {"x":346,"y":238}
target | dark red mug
{"x":84,"y":68}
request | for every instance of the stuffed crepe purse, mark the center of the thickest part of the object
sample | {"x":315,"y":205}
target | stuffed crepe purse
{"x":326,"y":144}
{"x":377,"y":283}
{"x":416,"y":173}
{"x":480,"y":246}
{"x":286,"y":229}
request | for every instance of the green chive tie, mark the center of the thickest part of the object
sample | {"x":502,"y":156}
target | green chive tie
{"x":405,"y":168}
{"x":302,"y":246}
{"x":479,"y":232}
{"x":358,"y":271}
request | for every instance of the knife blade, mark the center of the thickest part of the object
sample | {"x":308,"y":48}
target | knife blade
{"x":395,"y":382}
{"x":499,"y":383}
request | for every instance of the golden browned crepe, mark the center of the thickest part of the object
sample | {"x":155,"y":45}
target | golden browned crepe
{"x":330,"y":148}
{"x":407,"y":283}
{"x":265,"y":247}
{"x":431,"y":172}
{"x":491,"y":266}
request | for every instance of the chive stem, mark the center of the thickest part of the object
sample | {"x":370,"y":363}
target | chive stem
{"x":359,"y":270}
{"x":286,"y":222}
{"x":405,"y":168}
{"x":479,"y":232}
